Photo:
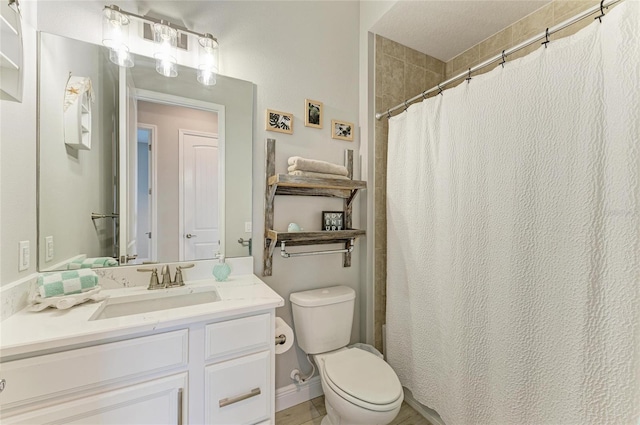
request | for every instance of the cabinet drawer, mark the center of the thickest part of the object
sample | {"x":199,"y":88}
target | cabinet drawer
{"x":237,"y":391}
{"x":157,"y":402}
{"x":239,"y":335}
{"x":53,"y":375}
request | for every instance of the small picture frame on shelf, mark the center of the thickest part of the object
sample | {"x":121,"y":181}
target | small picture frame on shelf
{"x":312,"y":113}
{"x":342,"y":130}
{"x":332,"y":221}
{"x":282,"y":122}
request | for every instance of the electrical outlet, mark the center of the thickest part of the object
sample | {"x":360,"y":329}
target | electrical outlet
{"x":48,"y":248}
{"x":23,"y":256}
{"x":247,"y":226}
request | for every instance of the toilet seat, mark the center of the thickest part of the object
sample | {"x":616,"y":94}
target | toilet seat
{"x":362,"y":379}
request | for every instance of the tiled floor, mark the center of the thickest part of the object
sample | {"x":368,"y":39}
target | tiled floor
{"x":311,"y":413}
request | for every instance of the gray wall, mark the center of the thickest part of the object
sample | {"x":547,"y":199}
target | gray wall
{"x":75,"y":183}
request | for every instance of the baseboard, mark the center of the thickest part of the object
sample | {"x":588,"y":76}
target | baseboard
{"x":298,"y":393}
{"x":429,"y":414}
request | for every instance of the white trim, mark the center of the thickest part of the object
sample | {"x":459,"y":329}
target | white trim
{"x":122,"y":163}
{"x":294,"y":394}
{"x":221,"y":186}
{"x":427,"y":413}
{"x":153,"y":142}
{"x":168,"y":99}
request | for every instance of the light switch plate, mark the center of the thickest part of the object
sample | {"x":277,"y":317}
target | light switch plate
{"x":23,"y":256}
{"x":48,"y":248}
{"x":247,"y":226}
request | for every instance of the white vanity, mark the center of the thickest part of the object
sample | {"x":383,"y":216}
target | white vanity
{"x":210,"y":363}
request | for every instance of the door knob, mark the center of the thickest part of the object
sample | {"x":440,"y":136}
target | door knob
{"x":189,"y":236}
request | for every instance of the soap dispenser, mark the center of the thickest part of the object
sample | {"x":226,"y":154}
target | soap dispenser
{"x":221,"y":271}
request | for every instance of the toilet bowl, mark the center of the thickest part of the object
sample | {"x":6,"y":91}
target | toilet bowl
{"x":359,"y":387}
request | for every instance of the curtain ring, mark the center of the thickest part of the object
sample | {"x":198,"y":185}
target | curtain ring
{"x":405,"y":105}
{"x":546,"y":36}
{"x":599,"y":17}
{"x":440,"y":90}
{"x":424,"y":95}
{"x":504,"y":59}
{"x":469,"y":77}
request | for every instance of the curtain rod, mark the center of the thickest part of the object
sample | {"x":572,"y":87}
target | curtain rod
{"x":502,"y":56}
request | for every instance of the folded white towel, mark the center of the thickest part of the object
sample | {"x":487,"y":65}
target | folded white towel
{"x":317,"y":175}
{"x":302,"y":164}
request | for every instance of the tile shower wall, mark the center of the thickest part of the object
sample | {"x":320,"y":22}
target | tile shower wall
{"x":531,"y":25}
{"x":402,"y":73}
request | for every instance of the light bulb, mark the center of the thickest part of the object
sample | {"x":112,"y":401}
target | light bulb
{"x":208,"y":58}
{"x":166,"y":39}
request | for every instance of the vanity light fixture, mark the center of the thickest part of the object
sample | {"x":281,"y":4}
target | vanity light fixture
{"x":166,"y":35}
{"x":166,"y":39}
{"x":115,"y":35}
{"x":208,"y":67}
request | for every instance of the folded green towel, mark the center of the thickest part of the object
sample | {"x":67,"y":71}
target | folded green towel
{"x":92,"y":263}
{"x":66,"y":283}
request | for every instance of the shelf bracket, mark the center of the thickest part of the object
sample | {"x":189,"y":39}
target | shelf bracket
{"x":351,"y":197}
{"x":286,"y":254}
{"x":272,"y":193}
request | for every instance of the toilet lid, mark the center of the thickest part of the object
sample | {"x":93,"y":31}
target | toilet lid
{"x":363,"y":375}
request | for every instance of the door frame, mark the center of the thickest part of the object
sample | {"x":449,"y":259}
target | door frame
{"x":169,"y":99}
{"x":221,"y":181}
{"x":153,"y":183}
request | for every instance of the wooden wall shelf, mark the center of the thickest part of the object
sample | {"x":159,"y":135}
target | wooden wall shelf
{"x":285,"y":184}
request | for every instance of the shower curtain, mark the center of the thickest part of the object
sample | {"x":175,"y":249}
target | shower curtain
{"x":513,"y":254}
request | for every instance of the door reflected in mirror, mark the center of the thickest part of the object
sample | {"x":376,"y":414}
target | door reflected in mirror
{"x":168,"y":175}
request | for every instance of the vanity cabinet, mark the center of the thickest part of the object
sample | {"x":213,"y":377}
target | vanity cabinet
{"x":214,"y":372}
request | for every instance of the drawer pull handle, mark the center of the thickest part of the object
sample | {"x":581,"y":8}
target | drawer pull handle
{"x":227,"y":401}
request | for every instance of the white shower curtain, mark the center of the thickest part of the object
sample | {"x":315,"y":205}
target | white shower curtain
{"x":513,"y":214}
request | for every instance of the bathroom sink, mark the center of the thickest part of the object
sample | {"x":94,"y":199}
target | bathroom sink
{"x":154,"y":301}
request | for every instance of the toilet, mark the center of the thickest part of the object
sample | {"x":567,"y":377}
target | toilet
{"x":359,"y":387}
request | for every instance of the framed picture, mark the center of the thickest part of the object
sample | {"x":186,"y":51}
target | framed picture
{"x":342,"y":130}
{"x":332,"y":220}
{"x":312,"y":113}
{"x":282,"y":122}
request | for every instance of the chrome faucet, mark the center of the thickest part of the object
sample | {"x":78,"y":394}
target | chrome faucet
{"x":166,"y":277}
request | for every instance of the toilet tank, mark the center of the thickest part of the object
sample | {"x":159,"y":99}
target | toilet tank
{"x":322,"y":318}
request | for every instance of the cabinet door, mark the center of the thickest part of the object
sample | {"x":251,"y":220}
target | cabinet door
{"x":238,"y":391}
{"x":155,"y":402}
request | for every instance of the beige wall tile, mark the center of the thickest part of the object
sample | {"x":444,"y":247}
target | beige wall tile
{"x":414,"y":82}
{"x":435,"y":65}
{"x":572,"y":29}
{"x":563,"y":10}
{"x":391,"y":48}
{"x":432,"y":79}
{"x":523,"y":52}
{"x":495,"y":44}
{"x":415,"y":57}
{"x":390,"y":76}
{"x":533,"y":24}
{"x":448,"y":70}
{"x":466,"y":60}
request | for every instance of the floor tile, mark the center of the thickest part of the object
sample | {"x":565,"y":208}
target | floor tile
{"x":297,"y":415}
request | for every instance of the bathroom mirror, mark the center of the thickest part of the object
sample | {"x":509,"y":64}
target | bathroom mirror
{"x":168,"y":173}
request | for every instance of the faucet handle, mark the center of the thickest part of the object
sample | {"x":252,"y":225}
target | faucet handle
{"x":153,"y":281}
{"x":166,"y":276}
{"x":179,"y":281}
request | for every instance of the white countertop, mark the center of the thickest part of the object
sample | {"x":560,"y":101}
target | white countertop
{"x":28,"y":332}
